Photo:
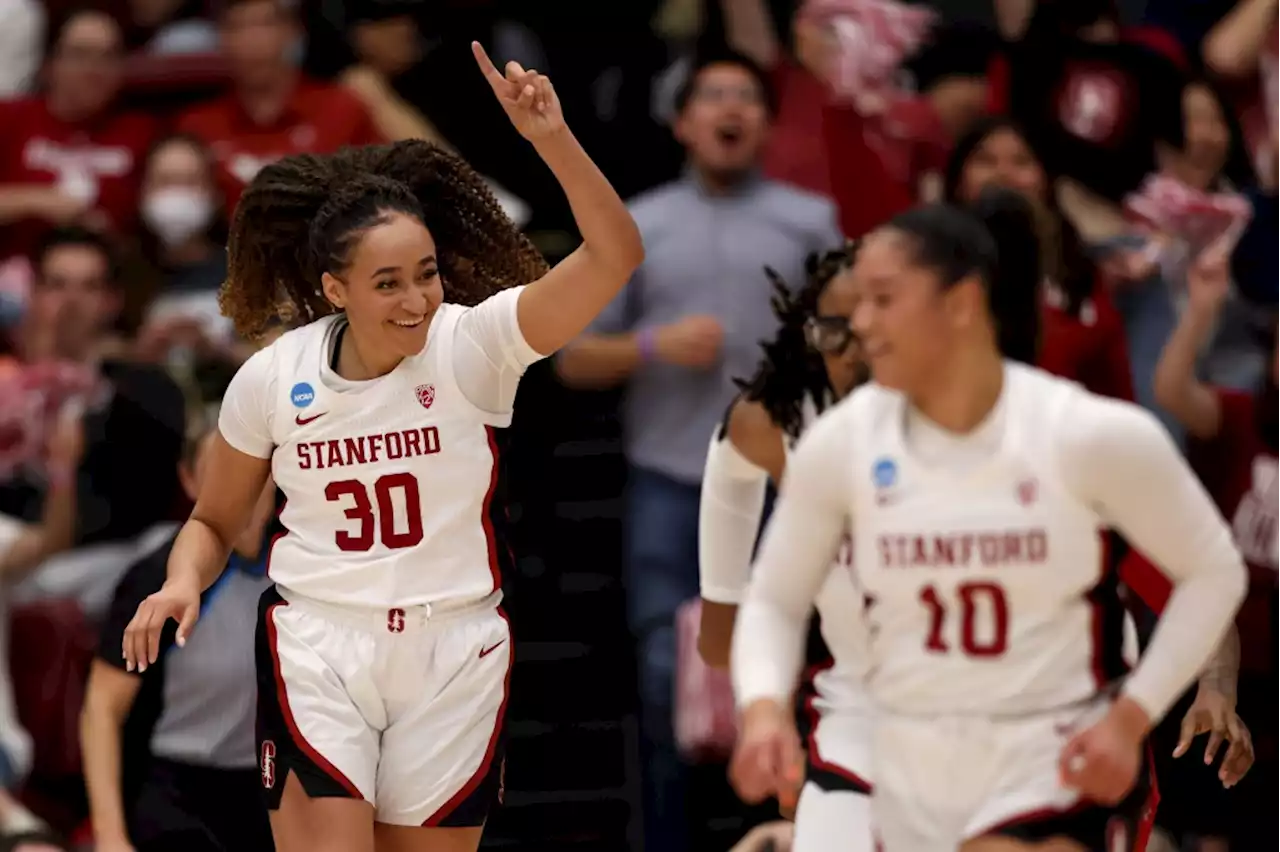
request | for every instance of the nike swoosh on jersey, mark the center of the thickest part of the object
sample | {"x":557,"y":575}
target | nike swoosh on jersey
{"x":303,"y":421}
{"x":484,"y":652}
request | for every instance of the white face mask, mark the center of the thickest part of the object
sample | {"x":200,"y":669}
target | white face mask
{"x":176,"y":215}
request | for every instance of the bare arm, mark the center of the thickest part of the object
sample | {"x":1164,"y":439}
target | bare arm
{"x":233,"y":484}
{"x":1223,"y":669}
{"x":739,"y":465}
{"x":597,"y":361}
{"x":21,"y":201}
{"x":53,"y":534}
{"x":108,"y":698}
{"x":56,"y":530}
{"x":1176,"y":386}
{"x":749,"y":30}
{"x":394,"y":118}
{"x":1233,"y":46}
{"x":557,"y":307}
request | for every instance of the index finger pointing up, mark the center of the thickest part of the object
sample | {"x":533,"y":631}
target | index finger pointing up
{"x":491,"y":73}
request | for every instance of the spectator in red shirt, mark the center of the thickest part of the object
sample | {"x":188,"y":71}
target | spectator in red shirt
{"x":1233,"y":447}
{"x":272,"y":110}
{"x":1093,"y":96}
{"x":68,"y":156}
{"x":1082,"y":336}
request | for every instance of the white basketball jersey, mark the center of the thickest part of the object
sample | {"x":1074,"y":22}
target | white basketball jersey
{"x":389,"y":483}
{"x":987,"y":584}
{"x":839,"y":606}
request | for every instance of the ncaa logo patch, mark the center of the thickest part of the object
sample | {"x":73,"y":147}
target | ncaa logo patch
{"x":302,"y":395}
{"x":884,"y":473}
{"x":426,"y":395}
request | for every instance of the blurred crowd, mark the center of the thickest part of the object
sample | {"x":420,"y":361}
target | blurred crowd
{"x":746,"y":134}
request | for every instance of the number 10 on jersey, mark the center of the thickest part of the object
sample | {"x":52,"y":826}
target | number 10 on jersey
{"x":983,"y":615}
{"x":379,"y":524}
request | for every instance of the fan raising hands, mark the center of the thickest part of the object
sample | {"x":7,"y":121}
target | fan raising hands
{"x":526,"y":96}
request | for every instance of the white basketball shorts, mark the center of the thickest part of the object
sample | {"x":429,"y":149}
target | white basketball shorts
{"x":402,"y":708}
{"x":834,"y":811}
{"x":943,"y":780}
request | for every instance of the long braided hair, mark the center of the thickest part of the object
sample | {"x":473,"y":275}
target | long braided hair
{"x":791,"y":369}
{"x":300,"y":216}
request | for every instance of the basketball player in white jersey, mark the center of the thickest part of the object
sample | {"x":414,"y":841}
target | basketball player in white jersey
{"x":384,"y":660}
{"x":975,"y":490}
{"x":812,"y":362}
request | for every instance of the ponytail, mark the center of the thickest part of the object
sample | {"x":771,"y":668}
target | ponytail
{"x":1013,"y":291}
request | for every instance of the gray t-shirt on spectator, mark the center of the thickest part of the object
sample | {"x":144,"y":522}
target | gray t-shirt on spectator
{"x":705,"y":254}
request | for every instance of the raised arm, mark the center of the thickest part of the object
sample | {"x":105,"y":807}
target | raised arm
{"x":558,"y":307}
{"x":741,"y":460}
{"x":57,"y":528}
{"x":1177,"y":388}
{"x":1233,"y":45}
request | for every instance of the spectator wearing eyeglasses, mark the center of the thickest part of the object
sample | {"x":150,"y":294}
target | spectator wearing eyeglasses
{"x":687,"y":325}
{"x":70,"y":156}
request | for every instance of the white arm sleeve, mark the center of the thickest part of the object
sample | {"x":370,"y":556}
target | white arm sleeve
{"x":1119,"y":459}
{"x":491,"y":353}
{"x":800,"y":543}
{"x":733,"y":491}
{"x":248,"y":406}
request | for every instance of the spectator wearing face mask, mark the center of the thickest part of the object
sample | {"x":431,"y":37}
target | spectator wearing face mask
{"x":183,"y":231}
{"x":70,"y":156}
{"x":272,"y":110}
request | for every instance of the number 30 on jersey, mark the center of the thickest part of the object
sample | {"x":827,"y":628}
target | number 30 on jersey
{"x":380,"y":524}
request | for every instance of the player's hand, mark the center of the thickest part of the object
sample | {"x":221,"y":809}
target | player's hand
{"x":1102,"y":761}
{"x":1214,"y":714}
{"x":779,"y":833}
{"x":526,"y":96}
{"x":692,"y":341}
{"x":177,"y":599}
{"x":767,"y":760}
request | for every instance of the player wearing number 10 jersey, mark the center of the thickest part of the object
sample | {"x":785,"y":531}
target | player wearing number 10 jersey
{"x":383,"y":659}
{"x":975,"y":489}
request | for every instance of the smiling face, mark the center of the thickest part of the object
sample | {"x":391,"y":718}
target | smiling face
{"x":909,"y":324}
{"x":725,"y":121}
{"x":390,"y":289}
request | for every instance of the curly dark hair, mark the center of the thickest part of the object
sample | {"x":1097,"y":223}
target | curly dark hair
{"x":790,"y":368}
{"x":300,"y":217}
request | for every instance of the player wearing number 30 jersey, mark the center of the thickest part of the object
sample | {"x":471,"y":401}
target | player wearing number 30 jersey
{"x":383,"y":658}
{"x":975,"y":490}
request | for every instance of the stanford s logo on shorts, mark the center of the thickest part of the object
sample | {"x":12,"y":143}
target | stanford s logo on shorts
{"x":268,"y":765}
{"x":395,"y":620}
{"x":426,"y":395}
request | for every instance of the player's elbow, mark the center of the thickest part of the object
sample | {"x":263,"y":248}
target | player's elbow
{"x":1235,"y":581}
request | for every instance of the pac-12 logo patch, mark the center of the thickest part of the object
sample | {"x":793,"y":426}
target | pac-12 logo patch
{"x":884,"y":473}
{"x":302,"y":395}
{"x":426,"y":395}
